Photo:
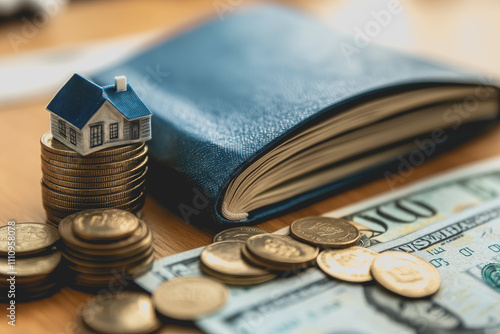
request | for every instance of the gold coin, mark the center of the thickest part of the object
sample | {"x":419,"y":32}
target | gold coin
{"x":94,"y":179}
{"x":29,"y":238}
{"x":65,"y":186}
{"x":95,"y":191}
{"x":61,"y":198}
{"x":53,"y":145}
{"x":281,"y":249}
{"x":115,"y":254}
{"x":69,"y":238}
{"x":115,"y":169}
{"x":225,"y":257}
{"x":63,"y":211}
{"x":93,"y":160}
{"x":406,"y":274}
{"x":99,"y":280}
{"x":121,"y":313}
{"x":188,"y":298}
{"x":326,"y":232}
{"x":108,"y":268}
{"x":239,"y":233}
{"x":52,"y":220}
{"x":272,"y":266}
{"x":67,"y":206}
{"x":44,"y":292}
{"x":349,"y":264}
{"x":236,"y":280}
{"x":104,"y":224}
{"x":134,"y":160}
{"x":31,"y":266}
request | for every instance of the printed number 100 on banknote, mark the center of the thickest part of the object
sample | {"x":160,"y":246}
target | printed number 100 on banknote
{"x":398,"y":213}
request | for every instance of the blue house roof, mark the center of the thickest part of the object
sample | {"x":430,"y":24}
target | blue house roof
{"x":79,"y":99}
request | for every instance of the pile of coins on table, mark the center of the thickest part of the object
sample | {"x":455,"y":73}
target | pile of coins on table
{"x":110,"y":178}
{"x":249,"y":255}
{"x":124,"y":312}
{"x":29,"y":261}
{"x":105,"y":246}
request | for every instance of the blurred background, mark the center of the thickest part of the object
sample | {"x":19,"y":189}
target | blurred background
{"x":44,"y":41}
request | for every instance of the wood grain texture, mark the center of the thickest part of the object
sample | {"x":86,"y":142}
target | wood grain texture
{"x":464,"y":34}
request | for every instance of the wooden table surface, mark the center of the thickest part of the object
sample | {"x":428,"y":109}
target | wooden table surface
{"x":457,"y":32}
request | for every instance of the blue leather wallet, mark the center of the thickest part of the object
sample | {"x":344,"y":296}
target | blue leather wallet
{"x":226,"y":93}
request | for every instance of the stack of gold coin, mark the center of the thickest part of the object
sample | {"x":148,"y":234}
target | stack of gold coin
{"x":29,"y":261}
{"x":223,"y":260}
{"x":278,"y":253}
{"x":110,"y":178}
{"x":105,"y":246}
{"x":123,"y":312}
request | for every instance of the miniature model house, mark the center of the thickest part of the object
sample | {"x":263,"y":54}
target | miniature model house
{"x":87,"y":117}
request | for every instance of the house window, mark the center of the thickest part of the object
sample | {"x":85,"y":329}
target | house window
{"x":113,"y":131}
{"x":62,"y":128}
{"x":72,"y":136}
{"x":95,"y":135}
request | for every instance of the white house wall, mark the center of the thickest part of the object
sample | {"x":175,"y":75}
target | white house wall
{"x":145,"y":128}
{"x":106,"y":114}
{"x":54,"y":129}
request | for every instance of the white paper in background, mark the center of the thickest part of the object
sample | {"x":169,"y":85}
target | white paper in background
{"x":43,"y":72}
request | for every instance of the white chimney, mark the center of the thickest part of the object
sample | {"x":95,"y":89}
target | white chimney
{"x":121,"y":83}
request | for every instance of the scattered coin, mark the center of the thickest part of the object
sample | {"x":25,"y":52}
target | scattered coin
{"x":406,"y":274}
{"x":104,"y":224}
{"x":223,"y":260}
{"x":225,"y":257}
{"x":280,"y":251}
{"x":239,"y":233}
{"x":272,"y":266}
{"x":121,"y":313}
{"x":326,"y":232}
{"x":349,"y":264}
{"x":188,"y":298}
{"x":30,"y":238}
{"x":237,"y":280}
